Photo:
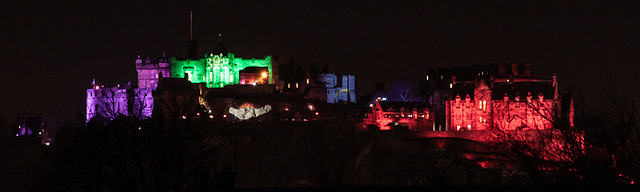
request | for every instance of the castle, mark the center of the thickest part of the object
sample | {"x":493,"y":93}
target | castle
{"x":480,"y":97}
{"x":217,"y":69}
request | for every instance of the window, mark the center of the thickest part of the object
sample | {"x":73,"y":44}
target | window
{"x":484,"y":105}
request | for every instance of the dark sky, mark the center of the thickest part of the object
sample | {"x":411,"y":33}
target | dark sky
{"x":51,"y":50}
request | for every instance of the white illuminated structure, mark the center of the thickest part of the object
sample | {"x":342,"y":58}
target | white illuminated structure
{"x":249,"y":112}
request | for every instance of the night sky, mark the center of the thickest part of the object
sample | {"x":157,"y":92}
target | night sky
{"x":51,"y":50}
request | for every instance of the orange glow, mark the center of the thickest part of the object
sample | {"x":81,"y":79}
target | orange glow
{"x":246,"y":105}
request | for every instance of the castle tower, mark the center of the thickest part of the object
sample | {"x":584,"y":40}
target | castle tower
{"x":150,"y":71}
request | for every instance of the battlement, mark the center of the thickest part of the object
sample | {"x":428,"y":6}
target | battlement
{"x":149,"y":62}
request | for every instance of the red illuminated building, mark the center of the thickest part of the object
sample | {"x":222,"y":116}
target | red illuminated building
{"x":512,"y":99}
{"x":415,"y":116}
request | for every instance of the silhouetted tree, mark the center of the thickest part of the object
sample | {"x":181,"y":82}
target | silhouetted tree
{"x":403,"y":90}
{"x":126,"y":154}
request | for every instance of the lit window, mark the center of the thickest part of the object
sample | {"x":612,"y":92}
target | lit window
{"x":317,"y":113}
{"x":484,"y":105}
{"x":427,"y":77}
{"x":296,"y":85}
{"x":450,"y":85}
{"x":307,"y":81}
{"x":458,"y":128}
{"x":469,"y":127}
{"x":479,"y":105}
{"x":210,"y":116}
{"x":370,"y":105}
{"x":289,"y":85}
{"x":264,"y":74}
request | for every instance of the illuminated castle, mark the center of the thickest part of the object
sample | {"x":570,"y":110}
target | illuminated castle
{"x":511,"y":98}
{"x":483,"y":97}
{"x":216,"y":70}
{"x":220,"y":68}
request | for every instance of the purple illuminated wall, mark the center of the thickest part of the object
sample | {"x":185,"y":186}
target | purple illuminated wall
{"x":110,"y":102}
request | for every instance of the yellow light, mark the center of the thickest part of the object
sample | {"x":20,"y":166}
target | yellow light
{"x":264,"y":74}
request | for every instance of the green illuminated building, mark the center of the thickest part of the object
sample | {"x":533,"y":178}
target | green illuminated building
{"x":219,"y":68}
